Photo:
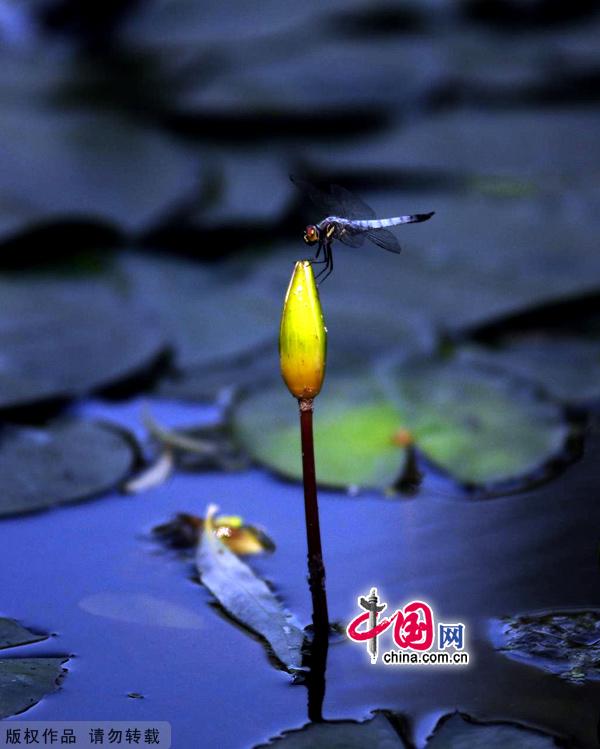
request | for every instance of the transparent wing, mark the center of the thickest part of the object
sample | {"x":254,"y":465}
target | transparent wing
{"x":351,"y":236}
{"x":337,"y":202}
{"x":351,"y":204}
{"x":384,"y":239}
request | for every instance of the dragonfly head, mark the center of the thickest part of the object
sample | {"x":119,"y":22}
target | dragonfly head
{"x":311,"y":234}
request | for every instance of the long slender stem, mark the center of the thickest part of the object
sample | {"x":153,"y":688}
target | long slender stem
{"x":316,"y":568}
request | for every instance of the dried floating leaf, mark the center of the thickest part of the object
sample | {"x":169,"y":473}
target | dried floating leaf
{"x":566,"y":643}
{"x":154,"y":475}
{"x":184,"y":531}
{"x":203,"y":448}
{"x":247,"y":598}
{"x":176,"y":439}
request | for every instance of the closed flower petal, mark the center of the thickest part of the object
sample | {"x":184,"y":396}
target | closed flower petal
{"x":303,"y":336}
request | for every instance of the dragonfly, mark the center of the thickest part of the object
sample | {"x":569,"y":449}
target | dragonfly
{"x":351,"y":222}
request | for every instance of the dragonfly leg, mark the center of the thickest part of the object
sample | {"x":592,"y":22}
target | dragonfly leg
{"x":326,"y":271}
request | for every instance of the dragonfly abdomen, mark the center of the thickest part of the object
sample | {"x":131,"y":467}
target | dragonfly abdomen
{"x":384,"y":222}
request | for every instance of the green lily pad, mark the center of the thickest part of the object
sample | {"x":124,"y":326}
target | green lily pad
{"x":65,"y":462}
{"x":25,"y":681}
{"x":65,"y":338}
{"x":354,"y":428}
{"x":478,"y":427}
{"x":458,"y":731}
{"x":376,"y":733}
{"x":566,"y":643}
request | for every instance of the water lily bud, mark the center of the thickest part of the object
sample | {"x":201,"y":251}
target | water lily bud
{"x":303,"y":336}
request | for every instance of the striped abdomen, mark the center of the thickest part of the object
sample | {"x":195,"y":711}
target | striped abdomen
{"x":382,"y":223}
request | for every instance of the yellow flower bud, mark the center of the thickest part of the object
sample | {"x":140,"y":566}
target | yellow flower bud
{"x":303,"y":336}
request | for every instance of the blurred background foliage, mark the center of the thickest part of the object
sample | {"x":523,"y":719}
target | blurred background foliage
{"x":148,"y":224}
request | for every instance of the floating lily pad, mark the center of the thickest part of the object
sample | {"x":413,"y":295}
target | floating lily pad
{"x":566,"y":643}
{"x":24,"y":681}
{"x":567,"y":367}
{"x":62,"y":463}
{"x":184,"y":22}
{"x":541,"y":145}
{"x":208,"y":314}
{"x":93,"y":166}
{"x":478,"y":427}
{"x":357,"y":335}
{"x":354,"y":429}
{"x":12,"y":634}
{"x":292,"y":78}
{"x":376,"y":733}
{"x":65,"y":338}
{"x":458,"y":731}
{"x":247,"y":598}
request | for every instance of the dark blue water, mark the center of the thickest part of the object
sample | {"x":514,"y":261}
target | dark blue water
{"x":134,"y":620}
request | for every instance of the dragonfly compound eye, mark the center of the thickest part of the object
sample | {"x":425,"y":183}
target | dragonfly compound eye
{"x":311,"y":234}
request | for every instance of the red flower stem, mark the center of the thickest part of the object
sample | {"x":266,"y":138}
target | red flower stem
{"x":316,"y":569}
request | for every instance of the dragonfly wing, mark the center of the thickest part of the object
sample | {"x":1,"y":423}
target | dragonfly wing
{"x":351,"y":236}
{"x":351,"y":205}
{"x":321,"y":200}
{"x":337,"y":202}
{"x":384,"y":239}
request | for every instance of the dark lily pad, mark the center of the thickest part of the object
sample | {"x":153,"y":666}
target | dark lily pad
{"x":24,"y":681}
{"x":566,"y":643}
{"x":541,"y":146}
{"x":65,"y":338}
{"x":376,"y":733}
{"x":62,"y":463}
{"x":239,"y":177}
{"x":478,"y":427}
{"x":92,"y":166}
{"x":566,"y":366}
{"x":13,"y":634}
{"x":290,"y":79}
{"x":185,"y":23}
{"x":209,"y":314}
{"x":458,"y":731}
{"x":247,"y":598}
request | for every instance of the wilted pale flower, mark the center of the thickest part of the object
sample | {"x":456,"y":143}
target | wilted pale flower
{"x":303,"y":336}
